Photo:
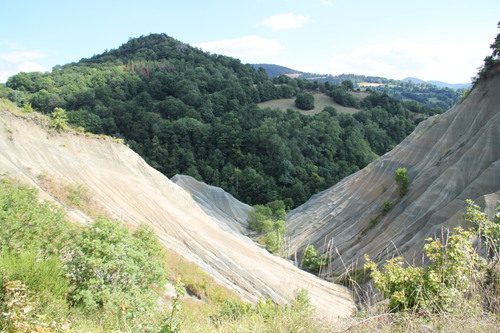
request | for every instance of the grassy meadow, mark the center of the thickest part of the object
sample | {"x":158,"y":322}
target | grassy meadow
{"x":320,"y":102}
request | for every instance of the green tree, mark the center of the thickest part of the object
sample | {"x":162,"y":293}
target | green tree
{"x":275,"y":240}
{"x":269,"y":220}
{"x":402,"y":181}
{"x":348,"y":85}
{"x":260,"y":219}
{"x":304,"y":101}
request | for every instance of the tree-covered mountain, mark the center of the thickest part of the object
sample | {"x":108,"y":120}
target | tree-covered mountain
{"x":190,"y":112}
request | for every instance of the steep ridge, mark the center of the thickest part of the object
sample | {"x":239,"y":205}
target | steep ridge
{"x":221,"y":206}
{"x":449,"y":158}
{"x":133,"y":192}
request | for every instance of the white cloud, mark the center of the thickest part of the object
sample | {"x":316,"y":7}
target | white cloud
{"x":326,"y":2}
{"x":14,"y":62}
{"x":248,"y":49}
{"x":284,"y":21}
{"x":398,"y":59}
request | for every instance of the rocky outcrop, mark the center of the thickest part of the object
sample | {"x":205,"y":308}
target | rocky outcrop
{"x":450,"y":158}
{"x":130,"y":190}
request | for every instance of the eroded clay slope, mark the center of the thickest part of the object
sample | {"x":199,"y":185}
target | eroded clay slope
{"x":135,"y":193}
{"x":230,"y":213}
{"x":449,"y":158}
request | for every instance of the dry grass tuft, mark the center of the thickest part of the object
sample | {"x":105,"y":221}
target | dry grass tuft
{"x":73,"y":195}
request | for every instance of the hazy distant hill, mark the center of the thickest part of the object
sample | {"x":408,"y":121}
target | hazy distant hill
{"x":276,"y":70}
{"x":439,"y":84}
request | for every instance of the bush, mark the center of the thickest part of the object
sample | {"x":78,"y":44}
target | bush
{"x":105,"y":273}
{"x":260,"y":219}
{"x":312,"y":260}
{"x":27,"y":223}
{"x":59,"y":120}
{"x":444,"y":286}
{"x":386,"y":207}
{"x":401,"y":178}
{"x":270,"y":220}
{"x":109,"y":267}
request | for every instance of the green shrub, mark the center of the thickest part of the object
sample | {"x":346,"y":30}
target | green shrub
{"x":488,"y":231}
{"x":43,"y":276}
{"x":312,"y":260}
{"x":270,"y":220}
{"x":386,"y":207}
{"x":77,"y":194}
{"x":260,"y":219}
{"x":109,"y":267}
{"x":59,"y":120}
{"x":443,"y":286}
{"x":27,"y":223}
{"x":401,"y":178}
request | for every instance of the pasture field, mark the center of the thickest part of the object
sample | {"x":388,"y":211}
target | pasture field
{"x":320,"y":102}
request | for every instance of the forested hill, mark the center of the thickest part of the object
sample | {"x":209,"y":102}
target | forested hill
{"x":190,"y":112}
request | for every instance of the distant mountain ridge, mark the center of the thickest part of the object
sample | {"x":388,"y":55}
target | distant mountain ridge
{"x":439,"y":84}
{"x":434,"y":94}
{"x":277,"y":70}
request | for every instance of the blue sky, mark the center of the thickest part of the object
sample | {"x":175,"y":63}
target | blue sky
{"x":429,"y":39}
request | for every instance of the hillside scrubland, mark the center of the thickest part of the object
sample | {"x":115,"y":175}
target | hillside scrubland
{"x":98,"y":254}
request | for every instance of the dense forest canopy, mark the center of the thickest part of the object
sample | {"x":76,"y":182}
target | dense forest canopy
{"x":190,"y":112}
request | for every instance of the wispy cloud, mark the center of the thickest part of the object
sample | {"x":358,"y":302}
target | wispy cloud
{"x":19,"y":61}
{"x":284,"y":21}
{"x":401,"y":58}
{"x":248,"y":48}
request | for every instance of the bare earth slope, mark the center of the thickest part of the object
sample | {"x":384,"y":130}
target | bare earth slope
{"x":133,"y":192}
{"x":221,"y":206}
{"x":449,"y":158}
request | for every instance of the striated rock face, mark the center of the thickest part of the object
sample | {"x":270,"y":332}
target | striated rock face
{"x":130,"y":190}
{"x":449,"y":158}
{"x":221,"y":206}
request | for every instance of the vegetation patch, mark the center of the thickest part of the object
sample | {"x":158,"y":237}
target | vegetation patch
{"x":269,"y":222}
{"x":402,"y":181}
{"x":72,"y":195}
{"x":312,"y":260}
